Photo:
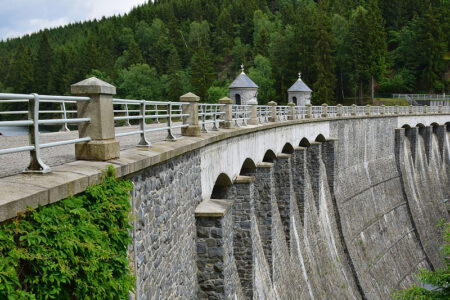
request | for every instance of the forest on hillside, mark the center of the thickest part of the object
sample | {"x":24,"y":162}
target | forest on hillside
{"x":158,"y":51}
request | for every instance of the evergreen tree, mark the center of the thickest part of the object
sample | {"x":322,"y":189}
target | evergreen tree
{"x":43,"y":67}
{"x":261,"y":74}
{"x":202,"y":72}
{"x":20,"y":75}
{"x":324,"y":61}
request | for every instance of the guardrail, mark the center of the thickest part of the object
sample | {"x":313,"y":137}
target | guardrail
{"x":34,"y":146}
{"x":188,"y":116}
{"x":422,"y":96}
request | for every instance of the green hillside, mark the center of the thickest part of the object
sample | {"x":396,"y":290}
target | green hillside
{"x":160,"y":50}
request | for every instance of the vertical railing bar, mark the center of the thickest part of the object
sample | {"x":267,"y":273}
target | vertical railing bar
{"x":127,"y":114}
{"x":170,"y":136}
{"x":143,"y":141}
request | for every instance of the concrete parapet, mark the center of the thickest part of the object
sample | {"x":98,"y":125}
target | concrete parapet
{"x":192,"y":109}
{"x":103,"y":145}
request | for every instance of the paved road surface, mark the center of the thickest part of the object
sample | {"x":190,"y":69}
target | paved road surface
{"x":16,"y":162}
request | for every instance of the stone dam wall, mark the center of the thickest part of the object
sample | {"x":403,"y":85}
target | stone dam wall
{"x":345,"y":209}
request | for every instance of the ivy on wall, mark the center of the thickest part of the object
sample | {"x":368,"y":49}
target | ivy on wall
{"x":73,"y":249}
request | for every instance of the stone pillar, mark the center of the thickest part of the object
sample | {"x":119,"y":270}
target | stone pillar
{"x":368,"y":110}
{"x":426,"y":109}
{"x":353,"y":109}
{"x":103,"y":145}
{"x":264,"y":192}
{"x":298,"y":178}
{"x":273,"y":111}
{"x":441,"y":132}
{"x":243,"y":197}
{"x":383,"y":109}
{"x":292,"y":115}
{"x":324,"y":110}
{"x":227,"y":109}
{"x":339,"y":110}
{"x":411,"y":109}
{"x":253,"y":116}
{"x":314,"y":155}
{"x":283,"y":190}
{"x":397,"y":110}
{"x":192,"y":109}
{"x":329,"y":150}
{"x":441,"y":109}
{"x":308,"y":111}
{"x":399,"y":146}
{"x":427,"y":135}
{"x":215,"y":260}
{"x":413,"y":136}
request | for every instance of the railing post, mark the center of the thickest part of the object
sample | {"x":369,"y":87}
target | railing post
{"x":170,"y":136}
{"x":368,"y":110}
{"x":192,"y":120}
{"x":103,"y":145}
{"x":253,"y":117}
{"x":214,"y":117}
{"x":227,"y":109}
{"x":425,"y":109}
{"x":64,"y":115}
{"x":383,"y":109}
{"x":36,"y":164}
{"x":273,"y":111}
{"x":127,"y":114}
{"x":411,"y":109}
{"x":440,"y":109}
{"x":308,"y":111}
{"x":292,"y":115}
{"x":143,"y":141}
{"x":324,"y":110}
{"x":339,"y":110}
{"x":397,"y":110}
{"x":353,"y":109}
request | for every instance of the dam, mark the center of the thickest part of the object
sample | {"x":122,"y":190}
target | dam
{"x":300,"y":205}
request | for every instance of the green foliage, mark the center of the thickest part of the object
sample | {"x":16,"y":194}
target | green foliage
{"x":439,"y":279}
{"x":261,"y":74}
{"x":140,"y":82}
{"x":217,"y":92}
{"x":73,"y":249}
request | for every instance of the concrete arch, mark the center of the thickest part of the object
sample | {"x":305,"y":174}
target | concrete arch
{"x":247,"y":167}
{"x":412,"y":121}
{"x":288,"y":148}
{"x":221,"y":186}
{"x":406,"y":126}
{"x":420,"y":125}
{"x":320,"y":138}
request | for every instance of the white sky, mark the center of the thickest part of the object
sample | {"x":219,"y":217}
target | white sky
{"x":19,"y":17}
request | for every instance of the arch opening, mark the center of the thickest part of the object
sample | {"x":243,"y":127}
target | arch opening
{"x":406,"y":126}
{"x":269,"y":156}
{"x":294,"y":99}
{"x":221,"y":187}
{"x":237,"y":97}
{"x":288,"y":149}
{"x":304,"y":143}
{"x":247,"y":167}
{"x":420,"y":125}
{"x":320,"y":138}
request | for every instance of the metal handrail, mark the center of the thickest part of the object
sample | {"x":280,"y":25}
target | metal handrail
{"x":282,"y":113}
{"x":210,"y":114}
{"x":33,"y":122}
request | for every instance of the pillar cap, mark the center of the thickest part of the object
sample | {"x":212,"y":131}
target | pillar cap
{"x":215,"y":208}
{"x":91,"y":86}
{"x":324,"y":104}
{"x":244,"y":179}
{"x":272,"y":103}
{"x":225,"y":100}
{"x":291,"y":104}
{"x":189,"y":97}
{"x":339,"y":105}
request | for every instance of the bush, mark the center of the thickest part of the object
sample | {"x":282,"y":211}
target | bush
{"x":73,"y":249}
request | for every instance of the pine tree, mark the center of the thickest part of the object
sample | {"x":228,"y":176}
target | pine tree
{"x":323,"y":59}
{"x":43,"y":67}
{"x":202,"y":72}
{"x":20,"y":74}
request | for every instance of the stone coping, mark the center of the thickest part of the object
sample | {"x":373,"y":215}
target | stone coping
{"x":244,"y":179}
{"x":22,"y":190}
{"x":284,"y":155}
{"x":215,"y":208}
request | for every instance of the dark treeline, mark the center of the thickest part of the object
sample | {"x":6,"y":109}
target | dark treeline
{"x":158,"y":51}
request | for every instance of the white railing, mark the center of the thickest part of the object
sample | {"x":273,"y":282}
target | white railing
{"x":146,"y":112}
{"x":332,"y":111}
{"x":422,"y":96}
{"x":282,"y":113}
{"x":263,"y":112}
{"x":300,"y":112}
{"x":316,"y":111}
{"x":33,"y":120}
{"x":240,"y":114}
{"x":209,"y":114}
{"x":347,"y":111}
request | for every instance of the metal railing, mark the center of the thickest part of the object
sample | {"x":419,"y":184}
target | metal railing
{"x":300,"y":112}
{"x":282,"y":113}
{"x":316,"y":111}
{"x":33,"y":121}
{"x":240,"y":113}
{"x":210,"y":114}
{"x":263,"y":112}
{"x":332,"y":111}
{"x":422,"y":96}
{"x":147,"y":111}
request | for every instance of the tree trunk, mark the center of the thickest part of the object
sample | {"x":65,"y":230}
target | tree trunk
{"x":372,"y":92}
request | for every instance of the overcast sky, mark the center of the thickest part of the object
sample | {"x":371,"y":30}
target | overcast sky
{"x":18,"y":17}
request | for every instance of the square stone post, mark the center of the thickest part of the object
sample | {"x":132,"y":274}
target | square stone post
{"x":339,"y":110}
{"x":253,"y":116}
{"x":298,"y":178}
{"x":103,"y":145}
{"x":353,"y":109}
{"x":397,"y":110}
{"x":411,"y":109}
{"x":314,"y":155}
{"x":227,"y":109}
{"x":383,"y":109}
{"x":368,"y":109}
{"x":273,"y":111}
{"x":308,"y":111}
{"x":292,"y":115}
{"x":426,"y":109}
{"x":324,"y":110}
{"x":284,"y":190}
{"x":441,"y":109}
{"x":192,"y":109}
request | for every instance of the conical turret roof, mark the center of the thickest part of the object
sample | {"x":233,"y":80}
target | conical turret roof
{"x":299,"y":86}
{"x":242,"y":81}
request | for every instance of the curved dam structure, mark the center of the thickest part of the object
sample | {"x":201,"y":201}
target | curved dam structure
{"x":328,"y":208}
